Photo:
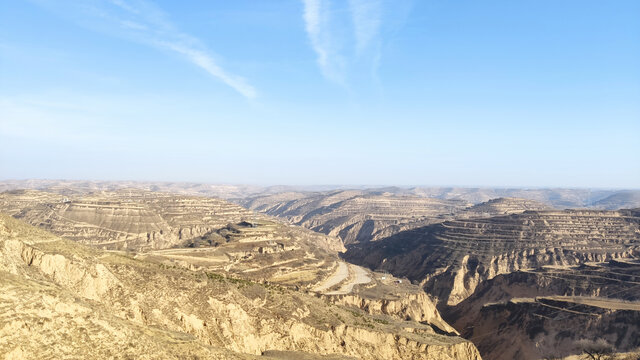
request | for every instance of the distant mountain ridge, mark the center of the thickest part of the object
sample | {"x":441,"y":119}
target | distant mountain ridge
{"x":555,"y":197}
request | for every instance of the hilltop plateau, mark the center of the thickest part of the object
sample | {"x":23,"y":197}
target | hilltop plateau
{"x":357,"y":216}
{"x":503,"y":206}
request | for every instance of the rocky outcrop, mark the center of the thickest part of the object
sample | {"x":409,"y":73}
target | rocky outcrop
{"x":416,"y":306}
{"x":214,"y":313}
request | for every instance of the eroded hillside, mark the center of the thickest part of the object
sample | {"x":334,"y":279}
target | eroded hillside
{"x":57,"y":292}
{"x":134,"y":219}
{"x":450,"y":259}
{"x":549,"y":311}
{"x":503,"y":206}
{"x":356,"y":216}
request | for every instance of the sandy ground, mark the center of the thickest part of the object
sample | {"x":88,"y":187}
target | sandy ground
{"x":341,"y":273}
{"x":358,"y":276}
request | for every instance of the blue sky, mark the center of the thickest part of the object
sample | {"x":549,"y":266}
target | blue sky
{"x":393,"y":92}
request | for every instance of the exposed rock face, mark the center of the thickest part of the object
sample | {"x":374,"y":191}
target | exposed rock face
{"x":416,"y":306}
{"x":127,"y":307}
{"x":452,"y":258}
{"x":355,"y":216}
{"x":535,"y":314}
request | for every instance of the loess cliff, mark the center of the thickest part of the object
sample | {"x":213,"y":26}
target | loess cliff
{"x":450,"y":259}
{"x":62,"y":299}
{"x":547,"y":312}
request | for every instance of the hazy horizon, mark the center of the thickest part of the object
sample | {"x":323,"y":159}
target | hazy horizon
{"x":527,"y":94}
{"x":326,"y":186}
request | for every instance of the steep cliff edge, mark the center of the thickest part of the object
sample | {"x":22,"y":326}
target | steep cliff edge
{"x":547,"y":311}
{"x":416,"y":306}
{"x":93,"y":294}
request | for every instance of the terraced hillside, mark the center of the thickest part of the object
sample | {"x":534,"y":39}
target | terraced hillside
{"x":129,"y":219}
{"x":61,"y":299}
{"x":548,"y":311}
{"x":450,"y":259}
{"x":261,"y":250}
{"x":502,"y":206}
{"x":355,"y":216}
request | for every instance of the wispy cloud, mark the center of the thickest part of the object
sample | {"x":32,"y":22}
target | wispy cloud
{"x":317,"y":23}
{"x":203,"y":60}
{"x":144,"y":22}
{"x":326,"y":31}
{"x":367,"y":17}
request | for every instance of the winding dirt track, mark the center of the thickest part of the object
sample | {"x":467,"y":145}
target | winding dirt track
{"x":358,"y":276}
{"x":342,"y":272}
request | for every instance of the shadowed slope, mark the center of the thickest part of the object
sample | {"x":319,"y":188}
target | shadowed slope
{"x":543,"y":312}
{"x":355,"y":216}
{"x":451,"y":258}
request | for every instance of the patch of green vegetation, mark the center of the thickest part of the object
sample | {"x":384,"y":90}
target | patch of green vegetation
{"x":216,"y":277}
{"x":381,"y":321}
{"x":240,"y":283}
{"x":365,"y":324}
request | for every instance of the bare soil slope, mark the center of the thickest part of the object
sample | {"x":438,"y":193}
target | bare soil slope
{"x":450,"y":259}
{"x":544,"y":312}
{"x":353,"y":215}
{"x":62,"y":299}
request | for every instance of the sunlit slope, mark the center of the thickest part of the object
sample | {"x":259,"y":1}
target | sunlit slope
{"x":128,"y":219}
{"x":166,"y":311}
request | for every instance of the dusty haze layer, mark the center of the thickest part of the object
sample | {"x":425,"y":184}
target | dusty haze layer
{"x":556,"y":197}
